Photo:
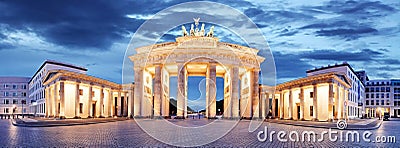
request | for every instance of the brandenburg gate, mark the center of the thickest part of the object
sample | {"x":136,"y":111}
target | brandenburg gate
{"x":196,"y":53}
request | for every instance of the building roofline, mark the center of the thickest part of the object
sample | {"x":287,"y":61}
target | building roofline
{"x":56,"y":63}
{"x":332,"y":66}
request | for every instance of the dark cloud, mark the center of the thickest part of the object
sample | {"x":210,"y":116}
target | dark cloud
{"x":349,"y":34}
{"x":290,"y":65}
{"x":344,"y":55}
{"x":78,"y":24}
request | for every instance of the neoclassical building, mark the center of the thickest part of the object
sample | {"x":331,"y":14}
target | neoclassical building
{"x":77,"y":95}
{"x":321,"y":97}
{"x":196,"y":54}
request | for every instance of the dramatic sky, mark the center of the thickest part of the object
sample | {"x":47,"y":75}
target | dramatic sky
{"x":301,"y":34}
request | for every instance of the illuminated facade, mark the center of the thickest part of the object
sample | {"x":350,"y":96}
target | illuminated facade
{"x":321,"y":97}
{"x":37,"y":99}
{"x":196,"y":54}
{"x":13,"y":93}
{"x":382,"y":96}
{"x":76,"y":95}
{"x":356,"y":93}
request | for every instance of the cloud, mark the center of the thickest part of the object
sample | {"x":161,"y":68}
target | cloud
{"x":342,"y":55}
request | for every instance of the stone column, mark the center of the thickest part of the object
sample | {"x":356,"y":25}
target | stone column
{"x":255,"y":94}
{"x":341,"y":103}
{"x":102,"y":102}
{"x":267,"y":108}
{"x":290,"y":104}
{"x":315,"y":102}
{"x":211,"y":90}
{"x":157,"y":91}
{"x":336,"y":114}
{"x":48,"y":102}
{"x":55,"y":100}
{"x":125,"y":111}
{"x":89,"y":103}
{"x":181,"y":91}
{"x":131,"y":101}
{"x":273,"y":105}
{"x":330,"y":102}
{"x":302,"y":103}
{"x":77,"y":96}
{"x":111,"y":102}
{"x":235,"y":91}
{"x":137,"y":100}
{"x":62,"y":100}
{"x":119,"y":104}
{"x":346,"y":116}
{"x":281,"y":104}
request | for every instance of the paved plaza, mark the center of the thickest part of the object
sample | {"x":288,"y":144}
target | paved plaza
{"x":129,"y":134}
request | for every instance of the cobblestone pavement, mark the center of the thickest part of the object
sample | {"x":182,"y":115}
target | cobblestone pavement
{"x":129,"y":134}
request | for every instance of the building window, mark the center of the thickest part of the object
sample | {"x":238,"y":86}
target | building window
{"x":367,"y":102}
{"x":6,"y":94}
{"x":382,"y":95}
{"x":7,"y":110}
{"x":15,"y":101}
{"x":311,"y":111}
{"x":23,"y":86}
{"x":80,"y":91}
{"x":311,"y":94}
{"x":372,"y":102}
{"x":372,"y":96}
{"x":81,"y":108}
{"x":15,"y":94}
{"x":387,"y":95}
{"x":382,"y":102}
{"x":372,"y":89}
{"x":382,"y":89}
{"x":377,"y":102}
{"x":15,"y":87}
{"x":6,"y":85}
{"x":377,"y":95}
{"x":367,"y":95}
{"x":367,"y":89}
{"x":387,"y":89}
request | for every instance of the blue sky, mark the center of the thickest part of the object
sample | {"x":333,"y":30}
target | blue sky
{"x":301,"y":34}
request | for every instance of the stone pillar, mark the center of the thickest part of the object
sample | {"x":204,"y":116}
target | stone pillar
{"x":181,"y":91}
{"x":48,"y":102}
{"x":77,"y":96}
{"x":125,"y":111}
{"x":227,"y":91}
{"x":315,"y":102}
{"x":211,"y":89}
{"x":336,"y":114}
{"x":290,"y":104}
{"x":235,"y":91}
{"x":281,"y":104}
{"x":55,"y":98}
{"x":119,"y":105}
{"x":267,"y":108}
{"x":346,"y":116}
{"x":273,"y":105}
{"x":137,"y":100}
{"x":102,"y":102}
{"x":302,"y":103}
{"x":255,"y":94}
{"x":62,"y":99}
{"x":341,"y":103}
{"x":89,"y":103}
{"x":157,"y":91}
{"x":111,"y":102}
{"x":330,"y":102}
{"x":131,"y":101}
